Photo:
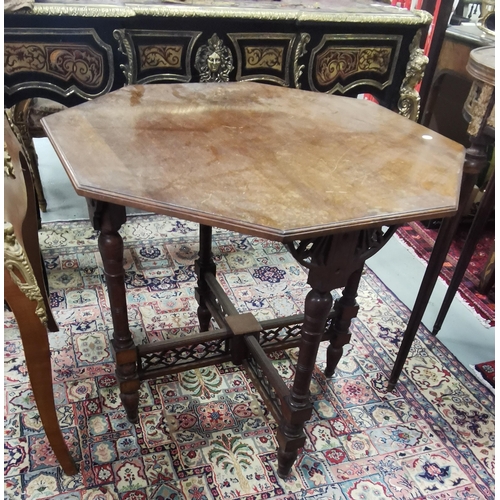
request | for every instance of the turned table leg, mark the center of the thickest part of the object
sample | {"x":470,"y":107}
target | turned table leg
{"x":475,"y":162}
{"x":333,"y":261}
{"x":481,"y":218}
{"x":291,"y":435}
{"x":346,"y":309}
{"x":204,"y":264}
{"x":108,"y":218}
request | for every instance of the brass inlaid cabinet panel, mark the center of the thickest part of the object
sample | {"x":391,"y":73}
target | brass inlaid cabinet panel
{"x":72,"y":53}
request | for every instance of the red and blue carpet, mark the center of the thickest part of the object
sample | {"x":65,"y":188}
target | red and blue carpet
{"x":205,"y":434}
{"x":421,"y":241}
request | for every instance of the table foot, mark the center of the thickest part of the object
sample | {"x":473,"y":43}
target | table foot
{"x":130,"y":400}
{"x":346,"y":308}
{"x":285,"y":462}
{"x":286,"y":458}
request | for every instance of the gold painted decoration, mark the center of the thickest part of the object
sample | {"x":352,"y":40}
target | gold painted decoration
{"x":17,"y":264}
{"x":66,"y":61}
{"x":409,"y":100}
{"x":214,"y":61}
{"x":160,"y":56}
{"x":300,"y":51}
{"x":264,"y":57}
{"x":341,"y":62}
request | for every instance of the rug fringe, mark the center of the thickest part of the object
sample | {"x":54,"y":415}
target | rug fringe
{"x":481,"y":379}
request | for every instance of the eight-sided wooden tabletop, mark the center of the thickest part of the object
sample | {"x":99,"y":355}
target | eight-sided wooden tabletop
{"x":263,"y":160}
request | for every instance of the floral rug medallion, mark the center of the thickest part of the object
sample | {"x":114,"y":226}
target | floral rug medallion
{"x":205,"y":434}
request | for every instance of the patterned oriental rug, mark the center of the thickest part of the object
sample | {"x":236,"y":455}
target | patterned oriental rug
{"x":206,"y":434}
{"x":421,"y":241}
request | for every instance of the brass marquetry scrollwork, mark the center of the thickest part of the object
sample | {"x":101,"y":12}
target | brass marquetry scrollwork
{"x":214,"y":61}
{"x":79,"y":62}
{"x":341,"y":62}
{"x":300,"y":51}
{"x":65,"y":61}
{"x":264,"y":57}
{"x":17,"y":264}
{"x":344,"y":61}
{"x":156,"y":55}
{"x":164,"y":56}
{"x":409,"y":100}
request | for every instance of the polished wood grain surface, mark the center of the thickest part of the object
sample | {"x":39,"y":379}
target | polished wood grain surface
{"x":264,"y":160}
{"x":20,"y":212}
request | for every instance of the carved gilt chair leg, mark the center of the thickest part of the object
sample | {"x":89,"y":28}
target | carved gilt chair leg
{"x":37,"y":354}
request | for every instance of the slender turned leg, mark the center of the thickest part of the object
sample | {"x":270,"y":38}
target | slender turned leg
{"x":334,"y":261}
{"x":475,"y":161}
{"x":485,"y":208}
{"x":110,"y":218}
{"x":290,"y":435}
{"x":204,"y":264}
{"x":347,"y":309}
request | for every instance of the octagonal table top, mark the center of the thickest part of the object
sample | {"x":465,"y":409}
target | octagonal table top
{"x":263,"y":160}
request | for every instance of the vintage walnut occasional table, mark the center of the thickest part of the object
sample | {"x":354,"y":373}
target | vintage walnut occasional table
{"x":328,"y":176}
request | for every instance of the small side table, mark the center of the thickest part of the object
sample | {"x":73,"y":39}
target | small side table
{"x":479,"y":111}
{"x":320,"y":173}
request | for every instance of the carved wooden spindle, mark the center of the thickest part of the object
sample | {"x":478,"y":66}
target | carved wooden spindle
{"x":291,"y":435}
{"x":108,"y":218}
{"x":333,"y":261}
{"x":204,"y":264}
{"x":347,"y":309}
